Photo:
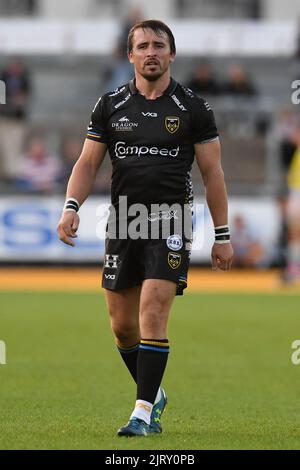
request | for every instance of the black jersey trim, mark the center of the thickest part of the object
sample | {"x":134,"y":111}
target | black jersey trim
{"x":168,"y":91}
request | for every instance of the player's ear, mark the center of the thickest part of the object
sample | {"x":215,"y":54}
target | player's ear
{"x":130,"y":57}
{"x":172,"y":57}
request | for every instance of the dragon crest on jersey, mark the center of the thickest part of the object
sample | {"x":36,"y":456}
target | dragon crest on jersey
{"x":172,"y":124}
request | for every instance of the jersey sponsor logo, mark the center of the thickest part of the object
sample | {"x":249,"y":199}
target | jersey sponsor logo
{"x":123,"y":101}
{"x":124,"y":125}
{"x":148,"y":114}
{"x":174,"y":260}
{"x":122,"y":150}
{"x":172,"y":123}
{"x":179,"y":104}
{"x":162,"y":215}
{"x":111,"y":277}
{"x":111,"y":261}
{"x":174,"y":242}
{"x":117,"y":91}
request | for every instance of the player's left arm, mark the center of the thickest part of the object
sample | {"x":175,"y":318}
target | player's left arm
{"x":208,"y":157}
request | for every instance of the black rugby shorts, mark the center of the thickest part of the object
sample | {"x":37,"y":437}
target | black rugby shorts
{"x":127,"y":263}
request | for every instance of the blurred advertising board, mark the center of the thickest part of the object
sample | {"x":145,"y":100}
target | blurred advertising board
{"x":28,"y":228}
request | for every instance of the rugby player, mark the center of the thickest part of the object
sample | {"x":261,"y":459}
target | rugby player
{"x":152,"y":127}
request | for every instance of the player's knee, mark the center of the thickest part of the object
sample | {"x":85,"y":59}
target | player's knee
{"x":124,"y":332}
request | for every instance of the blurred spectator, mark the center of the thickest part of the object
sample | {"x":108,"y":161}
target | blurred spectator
{"x":71,"y":150}
{"x":39,"y":170}
{"x":203,"y":82}
{"x":103,"y":179}
{"x":292,"y":272}
{"x":285,"y":130}
{"x":239,"y":84}
{"x":298,"y":42}
{"x":248,"y":251}
{"x":13,"y":116}
{"x":122,"y":70}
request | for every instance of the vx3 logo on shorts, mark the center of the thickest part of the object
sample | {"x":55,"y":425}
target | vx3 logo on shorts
{"x":111,"y":277}
{"x":111,"y":261}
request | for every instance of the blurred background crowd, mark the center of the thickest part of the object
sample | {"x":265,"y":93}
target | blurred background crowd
{"x":49,"y":97}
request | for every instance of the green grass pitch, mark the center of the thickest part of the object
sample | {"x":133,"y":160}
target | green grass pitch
{"x":230,"y":380}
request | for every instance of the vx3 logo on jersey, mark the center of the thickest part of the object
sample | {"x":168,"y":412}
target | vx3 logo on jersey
{"x":148,"y":114}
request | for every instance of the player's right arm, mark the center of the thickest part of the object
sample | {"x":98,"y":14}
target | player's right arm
{"x":80,"y":185}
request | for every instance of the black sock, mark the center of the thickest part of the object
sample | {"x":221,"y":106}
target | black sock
{"x":129,"y":356}
{"x":151,"y":364}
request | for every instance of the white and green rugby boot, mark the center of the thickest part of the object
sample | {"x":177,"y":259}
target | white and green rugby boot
{"x":134,"y":427}
{"x":157,"y":411}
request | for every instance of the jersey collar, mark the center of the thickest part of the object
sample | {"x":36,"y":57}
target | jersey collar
{"x":169,"y":91}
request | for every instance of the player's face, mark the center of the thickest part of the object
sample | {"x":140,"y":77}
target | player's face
{"x":151,"y":54}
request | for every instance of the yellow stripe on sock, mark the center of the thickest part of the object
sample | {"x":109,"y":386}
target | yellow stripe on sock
{"x":155,"y":343}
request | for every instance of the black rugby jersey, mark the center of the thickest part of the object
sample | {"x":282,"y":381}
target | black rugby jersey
{"x":150,"y":142}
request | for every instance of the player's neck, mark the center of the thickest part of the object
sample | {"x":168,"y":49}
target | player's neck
{"x":152,"y":90}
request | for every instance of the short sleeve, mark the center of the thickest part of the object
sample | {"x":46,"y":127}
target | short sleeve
{"x":204,"y":127}
{"x":97,"y":128}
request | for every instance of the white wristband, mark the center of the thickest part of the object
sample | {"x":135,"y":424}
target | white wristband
{"x":71,"y":204}
{"x":222,"y":234}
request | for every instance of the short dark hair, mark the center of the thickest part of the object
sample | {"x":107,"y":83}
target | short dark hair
{"x":156,"y":26}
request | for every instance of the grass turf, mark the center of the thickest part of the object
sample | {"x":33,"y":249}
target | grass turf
{"x":230,"y":380}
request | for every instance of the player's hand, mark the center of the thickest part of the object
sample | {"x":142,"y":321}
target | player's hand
{"x":67,"y":227}
{"x":221,"y":256}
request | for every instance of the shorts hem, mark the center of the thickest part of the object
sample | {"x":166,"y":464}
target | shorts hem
{"x":117,"y":287}
{"x":179,"y":286}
